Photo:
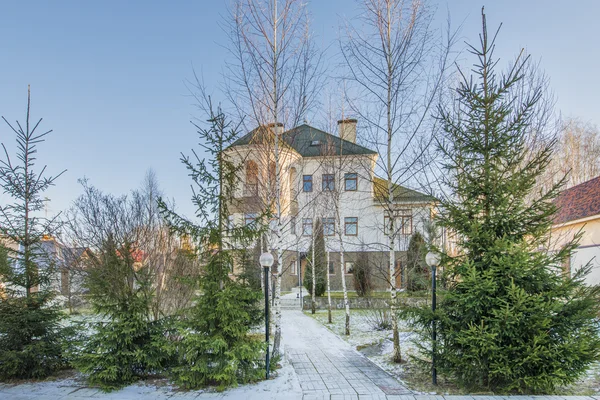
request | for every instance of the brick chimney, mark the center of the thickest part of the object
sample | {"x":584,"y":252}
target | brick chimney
{"x":347,"y":129}
{"x":277,"y":127}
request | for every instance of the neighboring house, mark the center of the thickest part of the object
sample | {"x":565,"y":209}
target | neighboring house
{"x":68,"y":262}
{"x":319,"y":171}
{"x":66,"y":280}
{"x":579,"y":210}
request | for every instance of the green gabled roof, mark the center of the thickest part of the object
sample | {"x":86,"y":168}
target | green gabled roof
{"x":401,"y":193}
{"x":307,"y":141}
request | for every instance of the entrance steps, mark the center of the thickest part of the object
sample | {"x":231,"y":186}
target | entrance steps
{"x":291,"y":301}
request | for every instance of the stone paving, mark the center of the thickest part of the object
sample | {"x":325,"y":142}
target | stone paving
{"x":320,"y":366}
{"x":328,"y":367}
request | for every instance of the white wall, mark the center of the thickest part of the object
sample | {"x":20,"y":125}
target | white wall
{"x":582,"y":256}
{"x":318,"y":204}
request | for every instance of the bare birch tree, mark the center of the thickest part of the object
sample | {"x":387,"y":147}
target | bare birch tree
{"x":395,"y":65}
{"x":576,"y":155}
{"x":329,"y":320}
{"x":161,"y":258}
{"x":272,"y":80}
{"x":335,"y":165}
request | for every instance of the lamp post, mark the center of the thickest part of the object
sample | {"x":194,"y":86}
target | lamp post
{"x":433,"y":260}
{"x":266,"y":260}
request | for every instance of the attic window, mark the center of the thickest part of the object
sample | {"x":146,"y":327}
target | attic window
{"x":315,"y":143}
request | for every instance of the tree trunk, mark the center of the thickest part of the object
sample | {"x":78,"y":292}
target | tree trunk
{"x":277,"y":336}
{"x":313,"y":290}
{"x":346,"y":302}
{"x":329,"y":321}
{"x":396,"y":354}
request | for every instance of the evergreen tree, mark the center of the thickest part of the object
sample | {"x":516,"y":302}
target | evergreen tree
{"x":319,"y":262}
{"x":251,"y":269}
{"x":362,"y":275}
{"x":128,"y":344}
{"x":417,"y":271}
{"x":30,"y":331}
{"x":510,"y":320}
{"x":216,"y":346}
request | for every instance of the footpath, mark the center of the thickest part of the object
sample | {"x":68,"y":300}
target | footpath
{"x":317,"y":365}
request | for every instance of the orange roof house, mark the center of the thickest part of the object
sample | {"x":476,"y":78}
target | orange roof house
{"x":579,"y":210}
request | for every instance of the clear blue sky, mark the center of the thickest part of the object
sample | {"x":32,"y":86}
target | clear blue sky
{"x":108,"y":76}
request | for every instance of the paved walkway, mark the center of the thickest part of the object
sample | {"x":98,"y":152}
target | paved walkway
{"x":328,"y":367}
{"x":320,"y":366}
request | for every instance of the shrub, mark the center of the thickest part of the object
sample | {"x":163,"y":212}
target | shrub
{"x":417,"y":271}
{"x":319,"y":261}
{"x":380,"y":319}
{"x":362,"y":275}
{"x":30,"y":338}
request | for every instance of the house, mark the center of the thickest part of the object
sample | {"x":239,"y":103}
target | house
{"x":579,"y":210}
{"x":66,"y":279}
{"x":331,"y":178}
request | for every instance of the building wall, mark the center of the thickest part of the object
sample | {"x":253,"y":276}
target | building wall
{"x":378,"y":262}
{"x":298,"y":205}
{"x":589,"y":246}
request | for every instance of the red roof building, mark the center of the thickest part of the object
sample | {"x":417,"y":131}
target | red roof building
{"x":579,"y":211}
{"x":578,"y":202}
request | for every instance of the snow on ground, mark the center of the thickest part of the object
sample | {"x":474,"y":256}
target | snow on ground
{"x":377,"y":346}
{"x":284,"y":385}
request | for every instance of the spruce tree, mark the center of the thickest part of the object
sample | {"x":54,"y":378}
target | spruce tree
{"x":319,"y":261}
{"x":216,"y":346}
{"x":510,"y":320}
{"x":417,"y":271}
{"x":362,"y":275}
{"x":127,"y":344}
{"x":30,"y":330}
{"x":251,"y":270}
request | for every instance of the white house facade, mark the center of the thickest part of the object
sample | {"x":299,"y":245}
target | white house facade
{"x":329,"y":178}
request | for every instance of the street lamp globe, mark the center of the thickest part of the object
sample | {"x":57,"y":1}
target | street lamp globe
{"x":433,"y":259}
{"x":266,"y":259}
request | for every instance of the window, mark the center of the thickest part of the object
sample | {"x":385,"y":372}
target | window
{"x":349,"y":267}
{"x":400,"y":275}
{"x":293,"y":184}
{"x":328,"y":226}
{"x":350,"y":182}
{"x":406,"y":225}
{"x":328,"y":183}
{"x":251,"y":188}
{"x":293,"y":267}
{"x":293,"y":226}
{"x":331,"y":268}
{"x":402,"y":222}
{"x":272,"y":176}
{"x":307,"y":226}
{"x":230,"y":225}
{"x":351,"y":226}
{"x":250,"y":219}
{"x":307,"y":183}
